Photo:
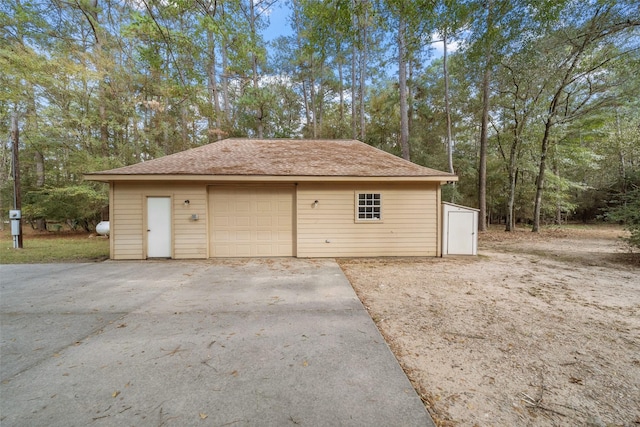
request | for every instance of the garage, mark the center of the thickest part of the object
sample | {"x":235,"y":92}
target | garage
{"x":275,"y":198}
{"x":251,"y":220}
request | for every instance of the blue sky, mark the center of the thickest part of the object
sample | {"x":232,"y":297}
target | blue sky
{"x":278,"y":22}
{"x":279,"y":25}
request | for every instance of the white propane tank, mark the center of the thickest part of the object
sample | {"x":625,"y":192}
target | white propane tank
{"x":103,"y":228}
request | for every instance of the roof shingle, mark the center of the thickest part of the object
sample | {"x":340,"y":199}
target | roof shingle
{"x":281,"y":157}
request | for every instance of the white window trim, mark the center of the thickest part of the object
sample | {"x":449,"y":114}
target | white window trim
{"x":357,"y":207}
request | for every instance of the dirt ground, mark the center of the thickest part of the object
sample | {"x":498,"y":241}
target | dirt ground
{"x":538,"y":330}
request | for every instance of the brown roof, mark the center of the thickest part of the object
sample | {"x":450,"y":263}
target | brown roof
{"x":281,"y":157}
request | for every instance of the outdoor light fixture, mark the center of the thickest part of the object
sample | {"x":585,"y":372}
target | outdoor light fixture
{"x":315,"y":204}
{"x":187,"y":202}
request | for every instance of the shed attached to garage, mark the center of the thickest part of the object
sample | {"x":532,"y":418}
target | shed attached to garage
{"x":260,"y":198}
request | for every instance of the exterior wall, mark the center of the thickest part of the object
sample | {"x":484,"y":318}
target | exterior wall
{"x":128,"y":219}
{"x":409,"y":225}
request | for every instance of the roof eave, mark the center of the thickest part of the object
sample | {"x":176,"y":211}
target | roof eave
{"x":266,"y":178}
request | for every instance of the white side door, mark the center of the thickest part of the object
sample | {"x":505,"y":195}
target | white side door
{"x":158,"y":227}
{"x":461,"y":232}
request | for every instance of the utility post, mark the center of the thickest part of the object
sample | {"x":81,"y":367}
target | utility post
{"x":16,"y":215}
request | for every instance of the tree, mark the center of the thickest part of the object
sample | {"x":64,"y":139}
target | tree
{"x":540,"y":94}
{"x":576,"y":86}
{"x":451,"y":16}
{"x":78,"y":205}
{"x":627,"y":210}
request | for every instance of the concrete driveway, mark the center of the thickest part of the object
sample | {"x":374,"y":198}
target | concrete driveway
{"x":212,"y":343}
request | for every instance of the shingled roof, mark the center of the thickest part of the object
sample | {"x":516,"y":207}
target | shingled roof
{"x":278,"y":158}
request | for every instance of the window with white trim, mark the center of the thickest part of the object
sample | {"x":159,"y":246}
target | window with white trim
{"x":368,"y":207}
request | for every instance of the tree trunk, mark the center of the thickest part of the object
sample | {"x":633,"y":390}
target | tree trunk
{"x":320,"y":103}
{"x":254,"y":68}
{"x":541,"y":172}
{"x":622,"y":170}
{"x":410,"y":100}
{"x":135,"y":141}
{"x":312,"y":93}
{"x":225,"y":84}
{"x":513,"y":182}
{"x":341,"y":90}
{"x":402,"y":83}
{"x":556,"y":171}
{"x":484,"y":126}
{"x":354,"y":114}
{"x":354,"y":75}
{"x":482,"y":167}
{"x":38,"y":158}
{"x":447,"y":106}
{"x":214,"y":123}
{"x":305,"y":94}
{"x":512,"y":170}
{"x":184,"y":128}
{"x":513,"y":175}
{"x":305,"y":99}
{"x":363,"y":78}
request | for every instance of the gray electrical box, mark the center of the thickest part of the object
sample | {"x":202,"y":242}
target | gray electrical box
{"x":15,"y":216}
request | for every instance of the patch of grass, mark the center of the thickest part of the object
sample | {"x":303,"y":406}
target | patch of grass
{"x":79,"y":248}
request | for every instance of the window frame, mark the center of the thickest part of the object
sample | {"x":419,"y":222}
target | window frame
{"x":376,"y":207}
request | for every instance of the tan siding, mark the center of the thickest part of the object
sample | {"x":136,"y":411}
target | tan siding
{"x":126,"y":222}
{"x":190,"y":236}
{"x":111,"y":198}
{"x":409,"y":224}
{"x":128,"y":232}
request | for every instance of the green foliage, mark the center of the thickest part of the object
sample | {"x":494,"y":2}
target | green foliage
{"x":78,"y":205}
{"x":626,"y":210}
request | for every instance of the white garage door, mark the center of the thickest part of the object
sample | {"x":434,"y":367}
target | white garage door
{"x":249,"y":221}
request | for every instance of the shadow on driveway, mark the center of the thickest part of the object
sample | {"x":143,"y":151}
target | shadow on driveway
{"x":233,"y":342}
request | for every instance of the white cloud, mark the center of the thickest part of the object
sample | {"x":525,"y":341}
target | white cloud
{"x":438,"y":46}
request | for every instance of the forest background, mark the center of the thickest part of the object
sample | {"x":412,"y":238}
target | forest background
{"x":537,"y":109}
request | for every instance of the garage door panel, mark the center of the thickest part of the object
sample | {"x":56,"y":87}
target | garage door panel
{"x":251,"y":221}
{"x":264,"y":250}
{"x":242,"y":207}
{"x":284,"y":222}
{"x":242,"y":236}
{"x":264,"y":206}
{"x":221,"y":235}
{"x":223,"y":251}
{"x":241,"y":221}
{"x":265,"y":221}
{"x":264,"y":236}
{"x":282,"y":248}
{"x":239,"y":250}
{"x":282,"y":236}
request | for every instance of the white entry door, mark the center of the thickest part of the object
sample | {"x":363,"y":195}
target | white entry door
{"x":158,"y":227}
{"x":462,"y":228}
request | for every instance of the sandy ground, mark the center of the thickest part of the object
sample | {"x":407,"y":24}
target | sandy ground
{"x":538,"y":330}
